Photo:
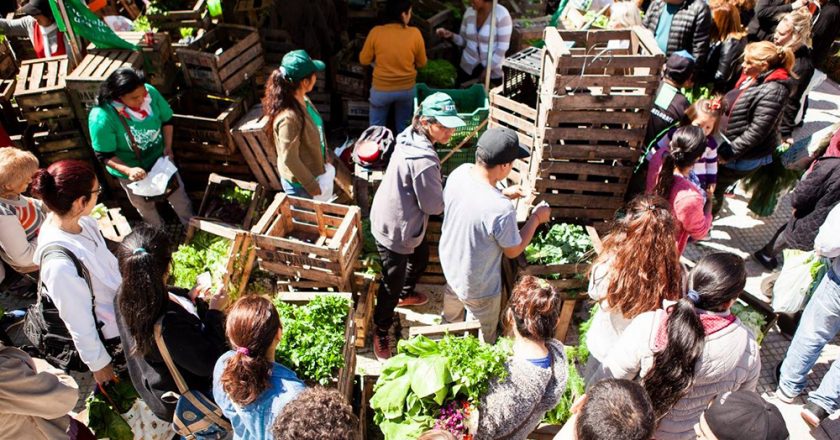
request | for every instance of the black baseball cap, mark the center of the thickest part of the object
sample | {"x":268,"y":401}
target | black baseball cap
{"x":743,"y":415}
{"x":37,"y":7}
{"x":501,"y":145}
{"x":680,"y":66}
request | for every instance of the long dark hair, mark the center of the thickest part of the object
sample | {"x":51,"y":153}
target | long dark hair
{"x":687,"y":146}
{"x":394,"y":10}
{"x":143,"y":258}
{"x":280,"y":96}
{"x":118,"y":84}
{"x":717,"y":279}
{"x":251,"y":327}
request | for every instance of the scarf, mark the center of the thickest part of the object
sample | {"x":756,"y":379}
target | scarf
{"x":712,"y":323}
{"x":138,"y":114}
{"x":38,"y":43}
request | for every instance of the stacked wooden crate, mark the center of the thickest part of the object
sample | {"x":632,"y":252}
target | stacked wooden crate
{"x":434,"y":271}
{"x":194,"y":16}
{"x":158,"y":59}
{"x":222,"y":60}
{"x":252,"y":12}
{"x":352,"y":81}
{"x":428,"y":16}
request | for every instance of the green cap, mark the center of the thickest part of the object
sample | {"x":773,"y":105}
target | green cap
{"x":297,"y":65}
{"x":441,"y":106}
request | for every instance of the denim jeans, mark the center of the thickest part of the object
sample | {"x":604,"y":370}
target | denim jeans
{"x":380,"y":105}
{"x":820,"y":324}
{"x":294,"y":191}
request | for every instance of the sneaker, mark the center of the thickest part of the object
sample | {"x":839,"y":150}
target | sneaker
{"x":813,"y":414}
{"x":781,"y":396}
{"x":381,"y":346}
{"x":415,"y":299}
{"x":769,"y":263}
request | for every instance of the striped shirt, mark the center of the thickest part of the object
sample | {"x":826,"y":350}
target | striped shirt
{"x":29,"y":213}
{"x":475,"y":42}
{"x":706,"y":168}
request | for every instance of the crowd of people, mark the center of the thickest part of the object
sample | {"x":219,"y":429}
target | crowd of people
{"x":669,"y":359}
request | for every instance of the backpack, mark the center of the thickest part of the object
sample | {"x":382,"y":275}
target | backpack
{"x":373,"y":148}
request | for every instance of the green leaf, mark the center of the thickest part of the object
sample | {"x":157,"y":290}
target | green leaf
{"x":429,"y":375}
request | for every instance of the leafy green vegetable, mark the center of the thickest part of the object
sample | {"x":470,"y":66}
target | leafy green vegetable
{"x":751,"y":318}
{"x":767,"y":183}
{"x":575,"y":387}
{"x":371,"y":260}
{"x":99,"y":211}
{"x":206,"y":253}
{"x":104,"y":419}
{"x":696,"y":93}
{"x":313,"y":337}
{"x":142,"y":24}
{"x":438,"y":74}
{"x":562,"y":244}
{"x":426,"y":375}
{"x":239,"y":195}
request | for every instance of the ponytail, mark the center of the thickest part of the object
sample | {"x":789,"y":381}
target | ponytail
{"x":279,"y":96}
{"x":252,"y":325}
{"x":784,"y":60}
{"x":666,"y":176}
{"x":776,"y":57}
{"x":687,"y":146}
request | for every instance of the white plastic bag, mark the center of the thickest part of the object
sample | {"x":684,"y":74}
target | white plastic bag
{"x":156,"y":180}
{"x":792,"y":288}
{"x":326,"y":181}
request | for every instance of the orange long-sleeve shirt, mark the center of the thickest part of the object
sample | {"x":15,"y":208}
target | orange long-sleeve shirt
{"x":397,"y":51}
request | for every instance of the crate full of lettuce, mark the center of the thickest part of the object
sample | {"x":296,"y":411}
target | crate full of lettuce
{"x":232,"y":201}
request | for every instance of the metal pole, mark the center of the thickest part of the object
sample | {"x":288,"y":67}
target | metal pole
{"x":77,"y":54}
{"x":490,"y":45}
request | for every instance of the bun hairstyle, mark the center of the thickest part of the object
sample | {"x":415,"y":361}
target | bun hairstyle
{"x":251,"y":326}
{"x":118,"y":84}
{"x":144,"y":260}
{"x":533,"y":308}
{"x":776,"y":57}
{"x":62,"y":183}
{"x":643,"y":258}
{"x":279,"y":96}
{"x":394,"y":10}
{"x":687,"y":146}
{"x":716,"y":280}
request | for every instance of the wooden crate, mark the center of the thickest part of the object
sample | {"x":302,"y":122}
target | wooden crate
{"x":8,"y":65}
{"x":434,"y":271}
{"x":84,"y":81}
{"x":203,"y":122}
{"x":367,"y":287}
{"x":216,"y":185}
{"x":240,"y":258}
{"x":158,"y":59}
{"x":8,"y":110}
{"x":55,"y":144}
{"x":276,"y":43}
{"x":526,"y":31}
{"x":357,"y":114}
{"x":41,"y":91}
{"x":525,"y":8}
{"x":114,"y":225}
{"x":352,"y":79}
{"x":365,"y":184}
{"x":310,"y":240}
{"x":345,"y":378}
{"x":252,"y":12}
{"x":428,"y":15}
{"x":223,"y":59}
{"x":196,"y":16}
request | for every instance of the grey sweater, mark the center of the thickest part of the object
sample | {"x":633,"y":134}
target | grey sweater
{"x":410,"y":192}
{"x":514,"y":407}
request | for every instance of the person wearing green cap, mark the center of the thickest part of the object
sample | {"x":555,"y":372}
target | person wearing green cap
{"x":296,"y":125}
{"x":411,"y":191}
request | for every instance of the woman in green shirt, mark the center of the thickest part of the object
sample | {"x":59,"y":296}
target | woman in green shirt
{"x":125,"y":100}
{"x":296,"y":125}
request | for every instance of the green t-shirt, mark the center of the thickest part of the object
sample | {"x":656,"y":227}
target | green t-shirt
{"x":108,"y":134}
{"x":316,"y":118}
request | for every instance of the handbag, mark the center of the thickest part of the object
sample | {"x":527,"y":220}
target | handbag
{"x":43,"y":325}
{"x":196,"y":416}
{"x":173,"y":183}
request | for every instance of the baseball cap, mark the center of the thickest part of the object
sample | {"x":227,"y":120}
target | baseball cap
{"x":742,"y":415}
{"x":501,"y":145}
{"x":297,"y":65}
{"x":37,"y":7}
{"x":440,"y":106}
{"x":680,"y":66}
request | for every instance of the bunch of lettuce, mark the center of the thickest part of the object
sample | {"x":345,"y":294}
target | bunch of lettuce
{"x":562,"y":244}
{"x":99,"y":211}
{"x":104,"y":411}
{"x":313,"y":337}
{"x":751,"y":318}
{"x":205,"y":253}
{"x":438,"y":74}
{"x":426,"y":375}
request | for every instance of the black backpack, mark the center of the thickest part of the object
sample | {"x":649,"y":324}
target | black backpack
{"x":43,"y":325}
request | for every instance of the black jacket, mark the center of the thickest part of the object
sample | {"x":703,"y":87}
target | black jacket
{"x":194,"y":344}
{"x":723,"y":67}
{"x":803,"y":71}
{"x":754,"y":116}
{"x":689,"y":29}
{"x":767,"y":16}
{"x":825,"y":30}
{"x":812,"y":200}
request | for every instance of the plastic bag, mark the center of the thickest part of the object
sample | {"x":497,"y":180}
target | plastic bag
{"x":326,"y":181}
{"x":796,"y":280}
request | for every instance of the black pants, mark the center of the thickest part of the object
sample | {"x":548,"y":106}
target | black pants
{"x":725,"y":178}
{"x":776,"y":244}
{"x":399,"y":277}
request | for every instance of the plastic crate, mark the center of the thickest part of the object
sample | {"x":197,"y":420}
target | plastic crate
{"x":473,"y":107}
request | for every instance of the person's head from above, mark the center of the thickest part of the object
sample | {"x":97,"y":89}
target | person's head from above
{"x":679,"y":69}
{"x":69,"y":188}
{"x":741,"y":415}
{"x":794,"y":30}
{"x":253,"y":329}
{"x":713,"y":286}
{"x":40,"y":10}
{"x":126,"y":86}
{"x":643,"y":257}
{"x":398,"y":11}
{"x":726,"y":21}
{"x":437,"y":434}
{"x":144,"y":259}
{"x":615,"y":409}
{"x":17,"y":167}
{"x":316,"y":414}
{"x":533,"y":309}
{"x":289,"y":83}
{"x":706,"y":114}
{"x":437,"y":118}
{"x":763,"y":56}
{"x":687,"y":146}
{"x":624,"y":15}
{"x":481,"y":5}
{"x":497,"y":149}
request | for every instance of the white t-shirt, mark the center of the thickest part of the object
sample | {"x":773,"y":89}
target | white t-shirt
{"x":608,"y":325}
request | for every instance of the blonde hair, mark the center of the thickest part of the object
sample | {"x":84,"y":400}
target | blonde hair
{"x":16,"y":166}
{"x":436,"y":434}
{"x":776,"y":57}
{"x":727,"y":21}
{"x":800,"y":23}
{"x":624,"y":15}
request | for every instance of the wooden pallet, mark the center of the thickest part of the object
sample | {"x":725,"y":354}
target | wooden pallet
{"x":217,"y":184}
{"x":344,"y":380}
{"x":309,"y":240}
{"x":240,"y":258}
{"x":241,"y":58}
{"x":114,"y":225}
{"x":196,"y":16}
{"x":41,"y":91}
{"x":158,"y":59}
{"x":84,"y":81}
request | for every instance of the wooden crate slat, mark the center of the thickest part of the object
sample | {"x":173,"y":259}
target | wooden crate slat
{"x":587,"y":102}
{"x":631,"y":135}
{"x":38,"y":80}
{"x":543,"y":185}
{"x":634,"y":118}
{"x":581,"y":201}
{"x":594,"y":152}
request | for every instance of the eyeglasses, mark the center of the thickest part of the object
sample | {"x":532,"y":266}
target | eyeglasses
{"x":97,"y":191}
